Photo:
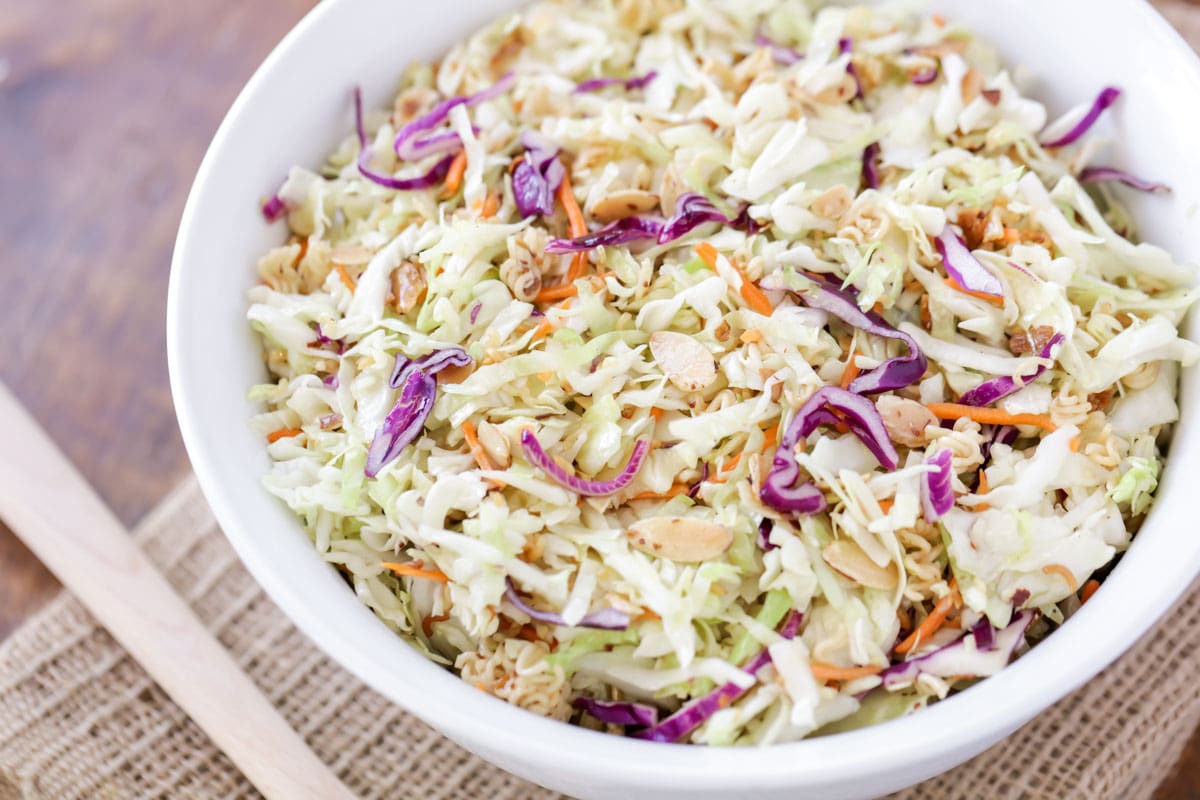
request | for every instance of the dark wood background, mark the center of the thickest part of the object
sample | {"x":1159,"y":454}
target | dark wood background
{"x":106,"y":107}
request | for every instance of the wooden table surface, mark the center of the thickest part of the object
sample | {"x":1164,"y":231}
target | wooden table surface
{"x":105,"y":111}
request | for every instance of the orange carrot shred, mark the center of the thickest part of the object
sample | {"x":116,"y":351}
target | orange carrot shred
{"x":828,"y":672}
{"x":886,"y":504}
{"x":1075,"y":443}
{"x":990,"y":416}
{"x":1064,"y":572}
{"x":731,"y":464}
{"x":990,"y":298}
{"x":850,"y":372}
{"x":657,"y":413}
{"x":749,"y":292}
{"x":472,"y":437}
{"x":675,"y":490}
{"x":770,"y":436}
{"x":428,"y":620}
{"x":283,"y":433}
{"x":416,"y":572}
{"x":930,"y":625}
{"x":1089,"y":589}
{"x":551,"y":293}
{"x":491,"y":204}
{"x":458,"y":168}
{"x":345,"y":277}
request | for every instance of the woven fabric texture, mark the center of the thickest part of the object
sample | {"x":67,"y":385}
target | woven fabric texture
{"x":80,"y":719}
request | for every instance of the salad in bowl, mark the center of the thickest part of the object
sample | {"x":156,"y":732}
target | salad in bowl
{"x":722,"y":373}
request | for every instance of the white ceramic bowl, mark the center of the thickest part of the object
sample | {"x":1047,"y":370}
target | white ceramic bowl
{"x":297,"y":106}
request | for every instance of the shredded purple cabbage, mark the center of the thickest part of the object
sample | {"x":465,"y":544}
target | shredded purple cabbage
{"x":895,"y":373}
{"x":417,"y":381}
{"x":542,"y":460}
{"x":780,"y":53}
{"x":1106,"y":98}
{"x":695,"y":713}
{"x":1102,"y":174}
{"x":629,"y":83}
{"x":964,"y":267}
{"x":623,"y":231}
{"x":990,"y":654}
{"x":435,"y":175}
{"x":694,"y":489}
{"x":1000,"y":434}
{"x":475,"y":311}
{"x":430,"y":363}
{"x":537,"y":177}
{"x":274,"y":209}
{"x":608,"y":619}
{"x":780,"y":489}
{"x":409,"y":147}
{"x":764,"y":535}
{"x":404,"y":423}
{"x":926,"y":75}
{"x":994,"y":389}
{"x":937,"y":490}
{"x":870,"y":170}
{"x":846,"y":46}
{"x":617,"y":712}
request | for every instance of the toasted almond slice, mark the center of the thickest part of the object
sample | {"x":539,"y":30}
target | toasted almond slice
{"x":623,"y":203}
{"x":905,"y":420}
{"x":351,"y":256}
{"x":495,"y":444}
{"x":848,"y":558}
{"x":683,"y":539}
{"x":684,"y":361}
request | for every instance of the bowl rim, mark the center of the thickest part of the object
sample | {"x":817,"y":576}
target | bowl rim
{"x":1001,"y":703}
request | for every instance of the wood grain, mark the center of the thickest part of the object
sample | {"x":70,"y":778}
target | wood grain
{"x":106,"y":107}
{"x":69,"y":528}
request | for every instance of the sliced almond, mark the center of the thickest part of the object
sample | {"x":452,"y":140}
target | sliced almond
{"x":351,"y":256}
{"x":684,"y":361}
{"x":683,"y":539}
{"x":495,"y":444}
{"x":905,"y":420}
{"x":623,"y":203}
{"x":848,"y":559}
{"x":408,"y":286}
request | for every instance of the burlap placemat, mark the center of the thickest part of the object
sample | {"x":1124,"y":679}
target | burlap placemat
{"x":80,"y":719}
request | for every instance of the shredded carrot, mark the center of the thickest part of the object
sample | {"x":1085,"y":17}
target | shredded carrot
{"x":491,"y":204}
{"x":551,"y":293}
{"x":657,"y":413}
{"x":546,"y":325}
{"x":416,"y":572}
{"x":750,"y":293}
{"x":674,"y":491}
{"x":428,"y":620}
{"x":454,"y":177}
{"x":754,"y":296}
{"x":929,"y":626}
{"x":982,"y":488}
{"x":850,"y":372}
{"x":1064,"y":572}
{"x":646,"y":616}
{"x":479,"y":685}
{"x":828,"y":672}
{"x":283,"y":433}
{"x":938,"y":19}
{"x":566,"y":196}
{"x":1075,"y":442}
{"x":347,"y":281}
{"x":770,"y":436}
{"x":990,"y":298}
{"x":472,"y":437}
{"x":731,"y":463}
{"x":1089,"y":589}
{"x":990,"y":416}
{"x":886,"y":505}
{"x":1011,"y":236}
